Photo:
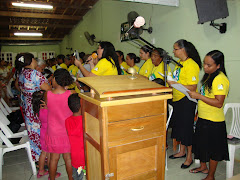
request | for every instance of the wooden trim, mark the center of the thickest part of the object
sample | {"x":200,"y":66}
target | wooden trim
{"x":125,"y":100}
{"x":134,"y":90}
{"x":39,"y":15}
{"x":104,"y":140}
{"x":92,"y":141}
{"x":113,"y":162}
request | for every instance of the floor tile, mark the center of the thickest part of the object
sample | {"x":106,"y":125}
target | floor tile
{"x":17,"y":167}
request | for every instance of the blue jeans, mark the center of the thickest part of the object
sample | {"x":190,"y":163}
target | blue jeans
{"x":77,"y":176}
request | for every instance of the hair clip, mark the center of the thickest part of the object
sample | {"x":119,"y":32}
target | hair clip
{"x":21,"y":59}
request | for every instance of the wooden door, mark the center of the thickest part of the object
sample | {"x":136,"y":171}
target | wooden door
{"x":138,"y":160}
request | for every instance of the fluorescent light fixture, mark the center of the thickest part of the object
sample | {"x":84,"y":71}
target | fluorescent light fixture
{"x":27,"y":34}
{"x":31,"y":5}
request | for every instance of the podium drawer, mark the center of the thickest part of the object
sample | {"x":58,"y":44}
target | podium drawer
{"x":138,"y":129}
{"x":137,"y":110}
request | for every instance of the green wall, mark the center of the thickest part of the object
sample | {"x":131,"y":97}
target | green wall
{"x":92,"y":23}
{"x":37,"y":48}
{"x":169,"y":24}
{"x":65,"y":44}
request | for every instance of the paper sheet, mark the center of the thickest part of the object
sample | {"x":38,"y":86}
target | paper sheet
{"x":184,"y":90}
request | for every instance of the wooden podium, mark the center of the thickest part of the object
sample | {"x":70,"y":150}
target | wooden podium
{"x":124,"y":128}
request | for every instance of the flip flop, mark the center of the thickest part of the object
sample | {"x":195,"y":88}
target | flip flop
{"x":40,"y":175}
{"x":194,"y":171}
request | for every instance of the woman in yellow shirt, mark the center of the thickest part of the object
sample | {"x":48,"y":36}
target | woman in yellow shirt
{"x":108,"y":63}
{"x":183,"y":109}
{"x":131,"y":59}
{"x":145,"y":54}
{"x":210,"y":138}
{"x":60,"y":61}
{"x":158,"y":69}
{"x":122,"y":63}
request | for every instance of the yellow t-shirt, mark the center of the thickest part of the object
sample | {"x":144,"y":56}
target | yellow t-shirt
{"x":105,"y":68}
{"x":54,"y":67}
{"x":124,"y":65}
{"x":146,"y":68}
{"x":136,"y":67}
{"x":64,"y":66}
{"x":187,"y":75}
{"x":73,"y":71}
{"x":158,"y":71}
{"x":220,"y":86}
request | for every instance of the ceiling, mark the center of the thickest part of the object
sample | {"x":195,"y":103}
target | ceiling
{"x":54,"y":23}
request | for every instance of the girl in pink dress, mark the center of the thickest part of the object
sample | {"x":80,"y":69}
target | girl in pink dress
{"x":57,"y":141}
{"x":40,"y":108}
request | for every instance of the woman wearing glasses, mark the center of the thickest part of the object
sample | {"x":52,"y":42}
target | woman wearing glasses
{"x":184,"y":109}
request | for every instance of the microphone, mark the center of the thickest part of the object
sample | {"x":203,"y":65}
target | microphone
{"x":139,"y":22}
{"x":170,"y":58}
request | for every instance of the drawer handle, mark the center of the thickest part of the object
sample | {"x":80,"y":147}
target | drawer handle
{"x":137,"y":129}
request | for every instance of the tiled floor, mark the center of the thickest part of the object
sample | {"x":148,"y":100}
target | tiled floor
{"x":17,"y":167}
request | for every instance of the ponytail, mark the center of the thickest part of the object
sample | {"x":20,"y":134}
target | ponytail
{"x":36,"y":100}
{"x":134,"y":57}
{"x":22,"y":60}
{"x":190,"y":50}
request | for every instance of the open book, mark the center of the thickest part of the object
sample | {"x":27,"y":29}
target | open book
{"x":184,"y":90}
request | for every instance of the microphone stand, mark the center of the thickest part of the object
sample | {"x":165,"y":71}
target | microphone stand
{"x":166,"y":59}
{"x":166,"y":62}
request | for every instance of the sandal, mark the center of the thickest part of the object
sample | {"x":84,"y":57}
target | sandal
{"x":58,"y":174}
{"x":196,"y":171}
{"x":40,"y":175}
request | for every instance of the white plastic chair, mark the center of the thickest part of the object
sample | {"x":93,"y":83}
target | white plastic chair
{"x":2,"y":108}
{"x":5,"y":135}
{"x":9,"y":92}
{"x":3,"y":118}
{"x":170,"y":111}
{"x":235,"y":132}
{"x":9,"y":109}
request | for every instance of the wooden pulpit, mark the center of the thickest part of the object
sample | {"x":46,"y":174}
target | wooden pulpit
{"x":124,"y":124}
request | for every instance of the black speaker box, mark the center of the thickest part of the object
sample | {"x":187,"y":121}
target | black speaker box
{"x":210,"y":10}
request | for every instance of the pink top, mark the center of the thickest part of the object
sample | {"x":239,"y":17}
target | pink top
{"x":43,"y":118}
{"x":75,"y":132}
{"x":58,"y":111}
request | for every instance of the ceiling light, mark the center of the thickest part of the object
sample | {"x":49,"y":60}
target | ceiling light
{"x":31,"y":5}
{"x":27,"y":34}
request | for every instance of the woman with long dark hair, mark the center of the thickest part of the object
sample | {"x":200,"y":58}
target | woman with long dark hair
{"x":108,"y":63}
{"x":184,"y":110}
{"x":210,"y":138}
{"x":123,"y":64}
{"x":29,"y":81}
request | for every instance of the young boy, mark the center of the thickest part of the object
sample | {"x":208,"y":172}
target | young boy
{"x":75,"y":132}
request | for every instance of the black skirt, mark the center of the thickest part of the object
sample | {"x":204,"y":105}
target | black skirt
{"x":182,"y":121}
{"x":210,"y":141}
